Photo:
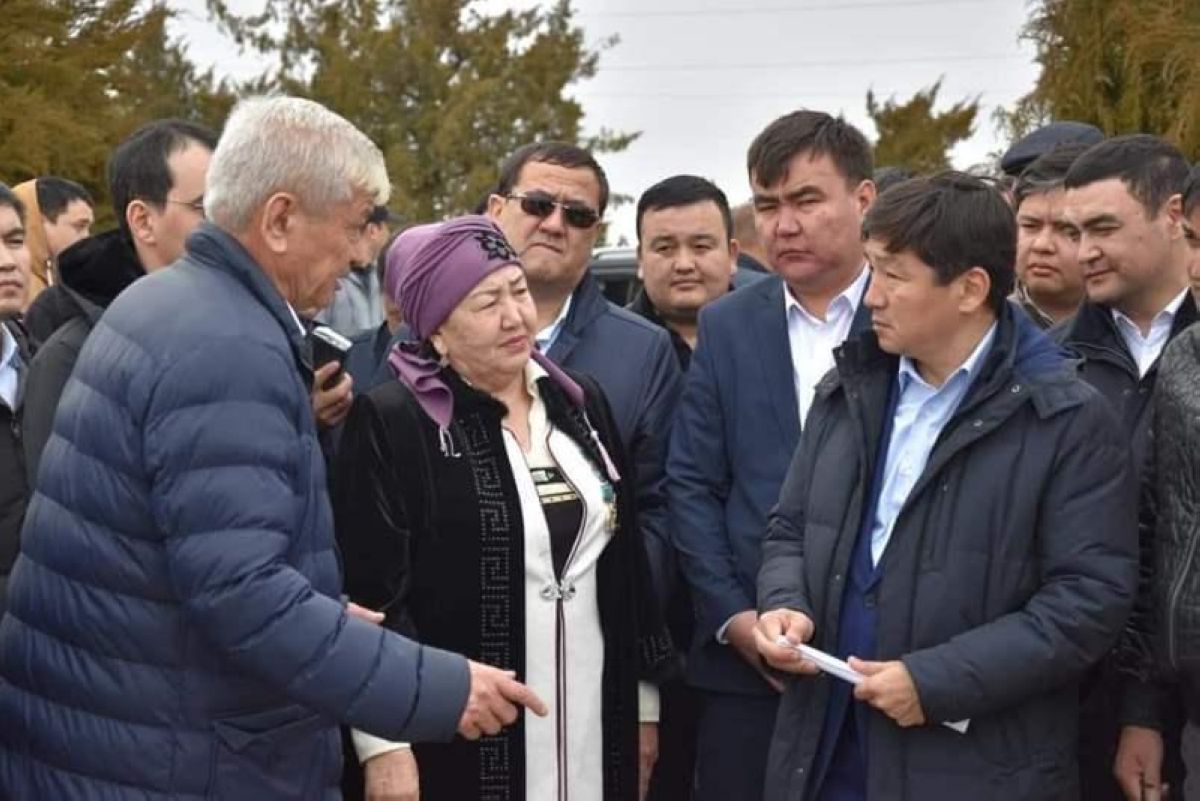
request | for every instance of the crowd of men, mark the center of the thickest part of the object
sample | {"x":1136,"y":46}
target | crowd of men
{"x":940,"y":427}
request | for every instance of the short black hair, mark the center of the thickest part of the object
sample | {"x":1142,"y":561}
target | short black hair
{"x":684,"y":190}
{"x":1191,"y":191}
{"x":54,"y":194}
{"x":953,"y":222}
{"x":1048,"y":171}
{"x":1152,"y":169}
{"x":815,"y":133}
{"x":887,"y":177}
{"x":138,"y":168}
{"x":10,"y":199}
{"x":560,"y":154}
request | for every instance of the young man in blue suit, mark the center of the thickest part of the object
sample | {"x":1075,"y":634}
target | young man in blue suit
{"x":760,"y":353}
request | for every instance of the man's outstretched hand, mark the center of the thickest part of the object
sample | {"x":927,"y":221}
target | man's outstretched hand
{"x":495,"y":700}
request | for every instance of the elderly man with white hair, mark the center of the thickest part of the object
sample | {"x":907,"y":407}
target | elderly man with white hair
{"x":174,"y":628}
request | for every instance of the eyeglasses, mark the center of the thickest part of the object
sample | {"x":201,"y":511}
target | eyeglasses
{"x":542,"y":205}
{"x":196,"y":205}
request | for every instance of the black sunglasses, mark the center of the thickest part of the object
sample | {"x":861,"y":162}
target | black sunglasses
{"x":542,"y":205}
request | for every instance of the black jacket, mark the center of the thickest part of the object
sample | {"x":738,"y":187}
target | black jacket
{"x":1010,"y":570}
{"x":642,"y":306}
{"x":438,"y":542}
{"x":1163,"y":644}
{"x":92,"y":273}
{"x":53,"y":307}
{"x":1105,"y":363}
{"x":13,"y":484}
{"x":1109,"y":701}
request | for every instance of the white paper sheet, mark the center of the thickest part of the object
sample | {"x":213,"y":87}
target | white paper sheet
{"x":842,"y":670}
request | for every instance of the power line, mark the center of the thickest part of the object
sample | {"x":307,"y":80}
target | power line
{"x":748,"y":10}
{"x":583,"y":93}
{"x":722,"y":66}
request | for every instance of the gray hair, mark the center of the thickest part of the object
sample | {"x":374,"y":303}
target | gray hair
{"x":288,"y":144}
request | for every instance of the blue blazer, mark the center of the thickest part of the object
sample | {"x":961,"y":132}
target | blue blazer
{"x":737,"y":426}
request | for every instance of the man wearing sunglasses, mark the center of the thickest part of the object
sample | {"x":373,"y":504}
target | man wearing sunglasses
{"x":156,"y":180}
{"x":549,"y":201}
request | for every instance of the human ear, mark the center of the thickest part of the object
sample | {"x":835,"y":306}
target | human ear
{"x":277,"y":220}
{"x":138,"y":216}
{"x":975,"y":287}
{"x":864,"y":195}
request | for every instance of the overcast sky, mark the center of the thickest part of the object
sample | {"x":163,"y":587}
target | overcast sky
{"x":699,"y":78}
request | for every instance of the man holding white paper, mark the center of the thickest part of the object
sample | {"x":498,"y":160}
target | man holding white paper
{"x":957,"y":524}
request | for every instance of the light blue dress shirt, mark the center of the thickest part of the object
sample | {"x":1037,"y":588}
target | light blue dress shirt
{"x":10,"y":365}
{"x":921,"y":414}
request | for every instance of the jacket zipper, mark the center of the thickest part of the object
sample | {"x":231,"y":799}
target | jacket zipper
{"x":565,"y":592}
{"x":561,"y":591}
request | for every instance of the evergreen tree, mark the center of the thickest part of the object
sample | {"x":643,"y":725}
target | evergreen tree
{"x":1126,"y":66}
{"x":912,"y":135}
{"x":79,"y":75}
{"x":445,"y":91}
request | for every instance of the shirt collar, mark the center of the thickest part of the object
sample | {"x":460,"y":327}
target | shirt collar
{"x":545,"y":338}
{"x":1166,"y":316}
{"x":969,"y":368}
{"x":8,"y":347}
{"x":534,"y":372}
{"x":846,"y":302}
{"x":299,"y":325}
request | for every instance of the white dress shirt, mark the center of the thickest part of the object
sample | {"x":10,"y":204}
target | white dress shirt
{"x":1145,"y":350}
{"x":9,"y":377}
{"x":812,"y":339}
{"x":546,"y":338}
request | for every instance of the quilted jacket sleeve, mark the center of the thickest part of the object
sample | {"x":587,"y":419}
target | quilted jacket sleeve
{"x":229,"y":457}
{"x":1088,"y":555}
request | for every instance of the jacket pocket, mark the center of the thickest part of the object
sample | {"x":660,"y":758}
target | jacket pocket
{"x":277,"y":753}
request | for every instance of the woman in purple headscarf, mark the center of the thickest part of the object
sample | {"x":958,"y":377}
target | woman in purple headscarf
{"x":480,"y":502}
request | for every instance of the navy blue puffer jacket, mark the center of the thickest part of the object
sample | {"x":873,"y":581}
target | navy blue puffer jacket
{"x":174,"y":629}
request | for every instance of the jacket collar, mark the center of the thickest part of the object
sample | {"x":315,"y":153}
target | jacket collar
{"x":642,"y":306}
{"x":469,"y":400}
{"x":1022,"y":357}
{"x":212,"y":247}
{"x":97,"y":269}
{"x":768,"y":323}
{"x":587,"y":305}
{"x":1023,"y":367}
{"x":1093,"y":332}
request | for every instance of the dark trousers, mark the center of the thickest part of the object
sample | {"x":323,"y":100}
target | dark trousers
{"x":731,"y":747}
{"x":675,"y":770}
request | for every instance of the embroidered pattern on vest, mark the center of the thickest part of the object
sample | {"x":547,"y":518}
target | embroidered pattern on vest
{"x":495,"y":582}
